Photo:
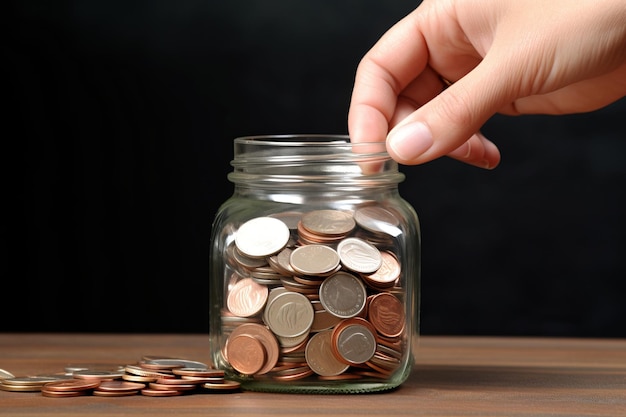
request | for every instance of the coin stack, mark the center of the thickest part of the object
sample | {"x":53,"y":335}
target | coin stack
{"x":315,"y":295}
{"x":151,"y":376}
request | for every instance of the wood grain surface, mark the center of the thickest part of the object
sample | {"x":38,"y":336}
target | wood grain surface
{"x":454,"y":376}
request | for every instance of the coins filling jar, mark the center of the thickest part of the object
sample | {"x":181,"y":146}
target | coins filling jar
{"x":314,"y":268}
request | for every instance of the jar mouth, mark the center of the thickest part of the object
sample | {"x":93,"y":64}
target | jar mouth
{"x":320,"y":158}
{"x":303,"y":147}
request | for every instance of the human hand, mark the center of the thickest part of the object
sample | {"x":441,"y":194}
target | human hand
{"x":502,"y":56}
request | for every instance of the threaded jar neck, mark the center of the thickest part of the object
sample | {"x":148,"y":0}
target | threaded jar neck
{"x":326,"y":160}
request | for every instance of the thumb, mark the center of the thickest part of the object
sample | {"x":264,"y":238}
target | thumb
{"x":449,"y":123}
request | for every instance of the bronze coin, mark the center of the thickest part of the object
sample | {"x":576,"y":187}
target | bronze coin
{"x":265,"y":336}
{"x":117,"y":386}
{"x":246,"y":354}
{"x":386,"y":313}
{"x":160,"y":392}
{"x":72,"y":385}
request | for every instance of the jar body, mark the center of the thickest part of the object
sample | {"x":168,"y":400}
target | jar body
{"x":314,"y":268}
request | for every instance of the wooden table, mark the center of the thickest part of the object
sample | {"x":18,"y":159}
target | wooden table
{"x":455,"y":376}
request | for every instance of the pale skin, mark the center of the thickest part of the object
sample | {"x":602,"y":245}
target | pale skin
{"x":511,"y":57}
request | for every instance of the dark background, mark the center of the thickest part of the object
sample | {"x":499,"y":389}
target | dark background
{"x":119,"y":121}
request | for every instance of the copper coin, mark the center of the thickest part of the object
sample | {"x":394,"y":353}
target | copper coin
{"x":386,"y":313}
{"x":100,"y":393}
{"x":246,"y":298}
{"x":62,"y":394}
{"x":320,"y":357}
{"x":120,"y":386}
{"x":387,"y":274}
{"x":265,"y":336}
{"x":160,"y":392}
{"x":174,"y":381}
{"x":167,"y":387}
{"x":71,"y":385}
{"x":246,"y":354}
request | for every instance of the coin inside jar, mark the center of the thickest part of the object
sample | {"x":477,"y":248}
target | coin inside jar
{"x":343,"y":295}
{"x":262,"y":236}
{"x":359,"y":256}
{"x":314,"y":259}
{"x":246,"y":298}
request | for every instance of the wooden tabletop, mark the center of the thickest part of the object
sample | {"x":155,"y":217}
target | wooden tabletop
{"x":455,"y":376}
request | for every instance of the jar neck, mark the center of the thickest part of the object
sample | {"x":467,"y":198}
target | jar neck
{"x":312,"y":164}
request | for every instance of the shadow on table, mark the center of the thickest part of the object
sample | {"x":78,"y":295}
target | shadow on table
{"x":531,"y":377}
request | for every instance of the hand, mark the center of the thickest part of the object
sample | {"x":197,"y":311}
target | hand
{"x":501,"y":56}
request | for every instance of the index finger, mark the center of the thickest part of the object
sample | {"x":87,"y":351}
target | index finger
{"x":398,"y":57}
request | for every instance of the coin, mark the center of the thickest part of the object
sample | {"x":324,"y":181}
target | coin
{"x":199,"y":372}
{"x":262,"y":236}
{"x":246,"y":354}
{"x":378,"y":220}
{"x":167,"y":387}
{"x":289,"y":314}
{"x":71,"y":385}
{"x":120,"y":386}
{"x":5,"y":374}
{"x":314,"y":259}
{"x":160,"y":392}
{"x":227,"y":385}
{"x":103,"y":393}
{"x":319,"y":355}
{"x":359,"y":256}
{"x":246,"y":298}
{"x":265,"y":336}
{"x":387,"y":274}
{"x":343,"y":295}
{"x":328,"y":222}
{"x":354,"y":341}
{"x":386,"y":313}
{"x":171,"y":363}
{"x":100,"y":375}
{"x":62,"y":394}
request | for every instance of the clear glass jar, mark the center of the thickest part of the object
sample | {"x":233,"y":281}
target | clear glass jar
{"x":314,"y":268}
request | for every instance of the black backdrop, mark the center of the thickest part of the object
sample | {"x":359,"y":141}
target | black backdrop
{"x":117,"y":140}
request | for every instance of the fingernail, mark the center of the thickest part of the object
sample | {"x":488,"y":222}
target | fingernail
{"x":411,"y":140}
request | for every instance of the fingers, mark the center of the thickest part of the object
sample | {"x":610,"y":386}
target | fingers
{"x":448,"y":124}
{"x":398,"y":58}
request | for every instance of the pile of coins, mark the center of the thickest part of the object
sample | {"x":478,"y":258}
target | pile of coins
{"x":151,"y":376}
{"x":314,"y":295}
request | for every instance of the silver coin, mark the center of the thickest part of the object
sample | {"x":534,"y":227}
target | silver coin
{"x":343,"y":295}
{"x":328,"y":222}
{"x":289,"y":314}
{"x":262,"y":236}
{"x":5,"y":374}
{"x":359,"y":256}
{"x":179,"y":363}
{"x":314,"y":259}
{"x":378,"y":220}
{"x":356,"y":344}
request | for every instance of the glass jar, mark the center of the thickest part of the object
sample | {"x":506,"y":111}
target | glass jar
{"x":314,"y":268}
